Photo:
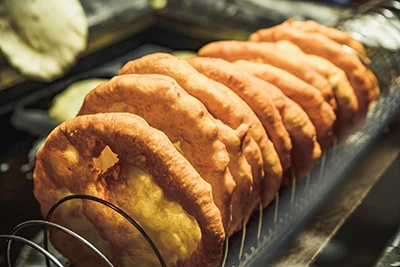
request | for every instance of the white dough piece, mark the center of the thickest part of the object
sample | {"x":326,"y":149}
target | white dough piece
{"x":66,"y":105}
{"x":42,"y":38}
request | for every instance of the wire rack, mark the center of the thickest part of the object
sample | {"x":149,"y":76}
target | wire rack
{"x":272,"y":229}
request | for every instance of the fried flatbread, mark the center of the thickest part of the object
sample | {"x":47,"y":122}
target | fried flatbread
{"x":319,"y":112}
{"x":241,"y":172}
{"x":332,"y":33}
{"x":146,"y":177}
{"x":320,"y":45}
{"x":223,"y":104}
{"x":167,"y":107}
{"x":242,"y":84}
{"x":269,"y":53}
{"x":346,"y":99}
{"x":306,"y":149}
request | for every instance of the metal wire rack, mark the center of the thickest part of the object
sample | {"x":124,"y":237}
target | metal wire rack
{"x":47,"y":224}
{"x":269,"y":230}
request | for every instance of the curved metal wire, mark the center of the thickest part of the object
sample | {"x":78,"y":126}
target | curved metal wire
{"x":225,"y":252}
{"x":293,"y":187}
{"x":276,"y":209}
{"x":260,"y":219}
{"x":360,"y":10}
{"x":33,"y":245}
{"x":111,"y":206}
{"x":392,"y":4}
{"x":58,"y":227}
{"x":365,"y":60}
{"x":365,"y":8}
{"x":387,"y":13}
{"x":243,"y":239}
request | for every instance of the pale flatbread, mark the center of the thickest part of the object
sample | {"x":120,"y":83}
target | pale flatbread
{"x":66,"y":105}
{"x":42,"y":38}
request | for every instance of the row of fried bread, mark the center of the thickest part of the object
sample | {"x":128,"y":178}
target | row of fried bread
{"x":227,"y":127}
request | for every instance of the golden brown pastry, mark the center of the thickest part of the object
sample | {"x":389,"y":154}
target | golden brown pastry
{"x":332,"y":33}
{"x":242,"y":84}
{"x":346,"y":99}
{"x":223,"y":104}
{"x":375,"y":86}
{"x":241,"y":172}
{"x":147,"y":178}
{"x":339,"y":37}
{"x":319,"y":112}
{"x":306,"y":149}
{"x":320,"y":45}
{"x":269,"y":53}
{"x":167,"y":107}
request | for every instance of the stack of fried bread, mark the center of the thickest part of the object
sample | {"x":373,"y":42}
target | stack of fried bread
{"x":190,"y":148}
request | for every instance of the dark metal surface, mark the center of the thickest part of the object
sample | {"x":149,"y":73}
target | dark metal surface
{"x":238,"y":15}
{"x":355,"y":224}
{"x":391,"y":255}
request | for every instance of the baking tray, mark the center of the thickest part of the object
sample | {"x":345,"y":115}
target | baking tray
{"x":271,"y":229}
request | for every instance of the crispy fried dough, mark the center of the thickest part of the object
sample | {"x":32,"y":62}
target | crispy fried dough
{"x":375,"y":86}
{"x":320,"y":45}
{"x":344,"y":93}
{"x":251,"y":150}
{"x":220,"y":102}
{"x":151,"y":181}
{"x":252,"y":153}
{"x":332,"y":33}
{"x":269,"y":53}
{"x":306,"y":149}
{"x":347,"y":112}
{"x":319,"y":112}
{"x":241,"y":171}
{"x":167,"y":107}
{"x":242,"y":84}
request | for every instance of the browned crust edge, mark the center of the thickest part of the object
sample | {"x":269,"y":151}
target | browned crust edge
{"x":167,"y":107}
{"x":131,"y":138}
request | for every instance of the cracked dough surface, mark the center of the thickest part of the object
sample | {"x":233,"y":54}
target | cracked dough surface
{"x":146,"y":177}
{"x":167,"y":107}
{"x":223,"y":104}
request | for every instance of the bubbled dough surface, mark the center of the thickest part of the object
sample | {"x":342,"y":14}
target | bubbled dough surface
{"x":132,"y":189}
{"x":174,"y":232}
{"x":167,"y":107}
{"x":222,"y":103}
